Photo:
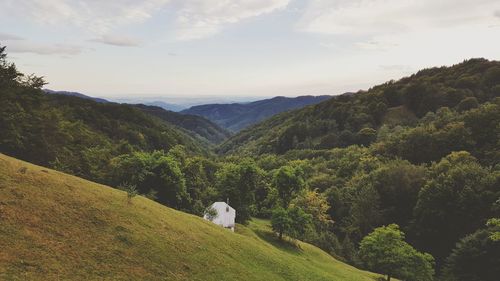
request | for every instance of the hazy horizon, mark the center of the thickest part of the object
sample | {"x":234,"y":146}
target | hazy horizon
{"x":241,"y":48}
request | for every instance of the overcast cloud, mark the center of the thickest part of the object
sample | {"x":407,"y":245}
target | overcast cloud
{"x":43,"y":49}
{"x":243,"y":47}
{"x":114,"y":40}
{"x":375,"y":17}
{"x":201,"y":18}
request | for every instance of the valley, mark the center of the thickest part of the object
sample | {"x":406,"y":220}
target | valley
{"x":402,"y":180}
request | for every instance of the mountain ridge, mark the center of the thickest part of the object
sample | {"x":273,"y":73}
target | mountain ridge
{"x":355,"y":118}
{"x":237,"y":116}
{"x":75,"y":94}
{"x":194,"y":124}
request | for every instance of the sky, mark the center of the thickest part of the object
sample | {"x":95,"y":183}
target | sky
{"x":241,"y":48}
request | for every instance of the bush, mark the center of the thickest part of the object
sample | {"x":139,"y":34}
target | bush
{"x":130,"y":189}
{"x":211,"y":213}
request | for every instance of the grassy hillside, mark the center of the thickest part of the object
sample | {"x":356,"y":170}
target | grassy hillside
{"x":56,"y":226}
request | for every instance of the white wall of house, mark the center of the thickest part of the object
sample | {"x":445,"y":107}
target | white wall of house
{"x":225,"y":215}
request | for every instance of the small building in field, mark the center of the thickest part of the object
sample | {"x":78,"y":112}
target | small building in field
{"x":221,"y":214}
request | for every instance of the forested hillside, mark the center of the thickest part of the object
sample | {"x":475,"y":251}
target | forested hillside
{"x":73,"y":134}
{"x":237,"y":116}
{"x":74,"y":94}
{"x":402,"y":113}
{"x":422,"y":152}
{"x":199,"y":126}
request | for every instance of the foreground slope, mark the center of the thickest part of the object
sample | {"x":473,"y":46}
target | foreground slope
{"x":56,"y":226}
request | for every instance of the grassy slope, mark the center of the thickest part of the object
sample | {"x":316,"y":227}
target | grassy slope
{"x":59,"y":227}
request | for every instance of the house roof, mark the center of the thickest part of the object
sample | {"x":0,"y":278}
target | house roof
{"x":221,"y":204}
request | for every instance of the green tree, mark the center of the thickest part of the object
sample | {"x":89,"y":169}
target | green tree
{"x":8,"y":70}
{"x":366,"y":136}
{"x":292,"y":221}
{"x":455,"y":201}
{"x":483,"y":123}
{"x":130,"y":189}
{"x":152,"y":171}
{"x":199,"y":173}
{"x":280,"y":222}
{"x":288,"y":181}
{"x":316,"y":205}
{"x":385,"y":251}
{"x":467,"y":103}
{"x":397,"y":183}
{"x":300,"y":222}
{"x":476,"y":257}
{"x":32,"y":81}
{"x":360,"y":210}
{"x":238,"y":182}
{"x":210,"y":213}
{"x":494,"y":225}
{"x":492,"y":76}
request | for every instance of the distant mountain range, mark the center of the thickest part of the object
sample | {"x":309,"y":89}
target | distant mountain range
{"x":229,"y":116}
{"x":178,"y":103}
{"x":196,"y":127}
{"x":237,"y":116}
{"x":165,"y":105}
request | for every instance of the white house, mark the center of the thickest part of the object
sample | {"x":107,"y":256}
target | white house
{"x":224,"y":217}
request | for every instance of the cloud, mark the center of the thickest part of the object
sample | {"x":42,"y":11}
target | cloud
{"x":43,"y":49}
{"x":17,"y":44}
{"x":114,"y":40}
{"x":95,"y":15}
{"x":194,"y":19}
{"x":197,"y":19}
{"x":8,"y":37}
{"x":375,"y":17}
{"x":329,"y":44}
